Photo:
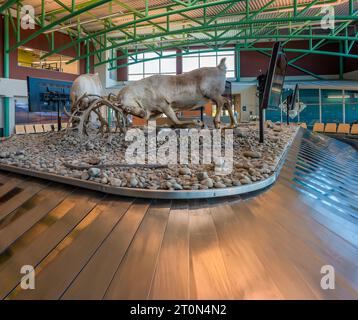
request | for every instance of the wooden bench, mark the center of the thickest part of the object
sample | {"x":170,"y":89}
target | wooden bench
{"x":20,"y":129}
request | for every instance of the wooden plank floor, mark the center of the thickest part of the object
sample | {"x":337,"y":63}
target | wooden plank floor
{"x":267,"y":245}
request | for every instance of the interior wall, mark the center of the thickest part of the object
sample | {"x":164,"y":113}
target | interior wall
{"x":350,"y":64}
{"x":40,"y":43}
{"x":253,"y":63}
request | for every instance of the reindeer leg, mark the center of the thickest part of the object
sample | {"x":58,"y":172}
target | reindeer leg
{"x":169,"y":112}
{"x":219,"y":106}
{"x":228,"y":107}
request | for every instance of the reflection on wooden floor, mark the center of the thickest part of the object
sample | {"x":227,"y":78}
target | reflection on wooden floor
{"x":271,"y":245}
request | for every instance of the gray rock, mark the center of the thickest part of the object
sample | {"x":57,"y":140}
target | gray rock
{"x":94,"y":172}
{"x":115,"y":182}
{"x":207,"y":182}
{"x":133,"y":182}
{"x":184,"y":171}
{"x":236,"y":183}
{"x":85,"y":175}
{"x":202,"y":175}
{"x":245,"y":180}
{"x":219,"y":185}
{"x":177,"y":186}
{"x":252,"y":154}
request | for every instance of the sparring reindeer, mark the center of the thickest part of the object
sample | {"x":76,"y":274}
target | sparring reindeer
{"x":151,"y":97}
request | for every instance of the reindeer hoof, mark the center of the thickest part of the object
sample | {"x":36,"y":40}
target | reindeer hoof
{"x":198,"y":123}
{"x":217,"y":125}
{"x":231,"y":126}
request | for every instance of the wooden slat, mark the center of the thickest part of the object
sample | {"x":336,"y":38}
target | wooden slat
{"x":28,"y":189}
{"x":208,"y":276}
{"x":30,"y":213}
{"x":106,"y":260}
{"x":38,"y":242}
{"x":173,"y":263}
{"x":8,"y":185}
{"x":57,"y":271}
{"x":134,"y":276}
{"x":4,"y":177}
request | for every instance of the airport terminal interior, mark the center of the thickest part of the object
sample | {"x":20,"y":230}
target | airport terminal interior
{"x":178,"y":149}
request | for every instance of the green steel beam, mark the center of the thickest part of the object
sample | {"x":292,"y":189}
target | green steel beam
{"x":295,"y":66}
{"x":88,"y":61}
{"x":232,"y":39}
{"x":59,"y":21}
{"x":307,"y":7}
{"x":170,"y":6}
{"x":7,"y":5}
{"x":237,"y":63}
{"x":172,"y":12}
{"x":6,"y":100}
{"x":200,"y":28}
{"x":328,"y":53}
{"x":321,"y":42}
{"x":341,"y":62}
{"x":144,"y":19}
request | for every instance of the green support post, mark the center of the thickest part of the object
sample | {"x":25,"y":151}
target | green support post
{"x":237,"y":63}
{"x":6,"y":132}
{"x":341,"y":61}
{"x":88,"y":61}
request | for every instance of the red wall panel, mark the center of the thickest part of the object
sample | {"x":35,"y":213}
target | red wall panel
{"x":252,"y":63}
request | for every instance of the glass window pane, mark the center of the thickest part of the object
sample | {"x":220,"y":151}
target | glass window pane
{"x":134,"y":77}
{"x":230,"y":74}
{"x":168,"y":65}
{"x":308,"y":96}
{"x":208,"y":54}
{"x":331,"y":96}
{"x":273,"y":114}
{"x":207,"y":62}
{"x":135,"y":68}
{"x":169,"y":52}
{"x":230,"y":62}
{"x":351,"y":101}
{"x":332,"y":113}
{"x":226,"y":53}
{"x":151,"y":66}
{"x":351,"y":96}
{"x":310,"y":114}
{"x":190,"y":63}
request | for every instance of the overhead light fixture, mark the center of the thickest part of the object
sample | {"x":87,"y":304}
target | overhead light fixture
{"x":346,"y":96}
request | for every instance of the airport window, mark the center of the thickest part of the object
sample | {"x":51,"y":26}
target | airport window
{"x":351,"y":106}
{"x":28,"y":57}
{"x":140,"y":70}
{"x":332,"y":106}
{"x":310,"y":114}
{"x":202,"y":58}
